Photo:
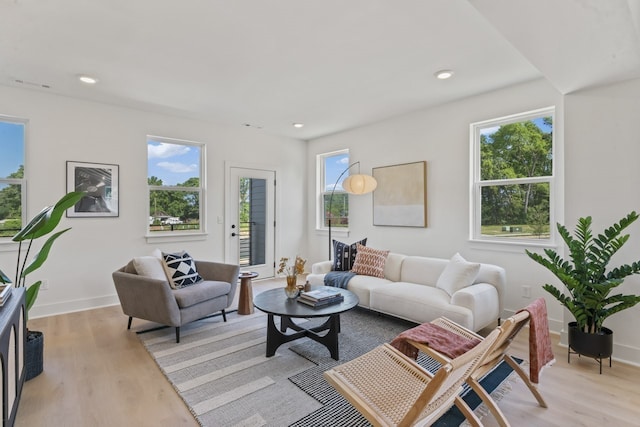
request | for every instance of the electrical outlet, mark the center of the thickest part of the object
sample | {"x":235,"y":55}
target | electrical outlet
{"x":526,"y":291}
{"x":44,"y":286}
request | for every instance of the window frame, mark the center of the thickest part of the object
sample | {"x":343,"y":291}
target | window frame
{"x":18,"y":181}
{"x":476,"y":185}
{"x":321,"y":192}
{"x":201,"y":190}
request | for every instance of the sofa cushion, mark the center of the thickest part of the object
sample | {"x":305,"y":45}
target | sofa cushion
{"x":200,"y":292}
{"x":344,"y":255}
{"x":369,"y":261}
{"x":458,"y":274}
{"x":181,"y":269}
{"x":149,"y":266}
{"x":362,"y":286}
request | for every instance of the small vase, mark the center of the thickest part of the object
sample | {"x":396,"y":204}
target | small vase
{"x":292,"y":290}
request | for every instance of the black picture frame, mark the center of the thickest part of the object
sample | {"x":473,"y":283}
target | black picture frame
{"x":101,"y":183}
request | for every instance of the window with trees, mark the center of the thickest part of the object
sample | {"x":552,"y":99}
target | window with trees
{"x":12,"y":182}
{"x":176,"y":185}
{"x":513,"y":177}
{"x":330,"y":166}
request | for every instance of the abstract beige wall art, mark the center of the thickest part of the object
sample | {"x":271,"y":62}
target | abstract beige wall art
{"x":401,"y":196}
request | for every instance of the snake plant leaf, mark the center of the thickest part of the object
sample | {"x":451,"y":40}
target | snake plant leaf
{"x":48,"y":218}
{"x":43,"y":254}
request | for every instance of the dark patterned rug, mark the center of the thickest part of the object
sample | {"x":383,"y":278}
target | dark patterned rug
{"x":362,"y":331}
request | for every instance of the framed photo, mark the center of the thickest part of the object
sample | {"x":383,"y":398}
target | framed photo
{"x":100,"y":182}
{"x":400,"y":199}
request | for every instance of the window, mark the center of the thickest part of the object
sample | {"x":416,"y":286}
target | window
{"x":176,"y":185}
{"x":513,"y":178}
{"x":12,"y":182}
{"x":330,"y":167}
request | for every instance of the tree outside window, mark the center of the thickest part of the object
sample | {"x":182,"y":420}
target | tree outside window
{"x":331,"y":165}
{"x":174,"y":181}
{"x":513,"y":185}
{"x":12,"y":188}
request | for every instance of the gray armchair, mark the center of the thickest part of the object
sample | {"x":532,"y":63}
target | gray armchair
{"x":154,"y":300}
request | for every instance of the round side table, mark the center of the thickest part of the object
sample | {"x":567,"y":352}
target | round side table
{"x":245,"y":300}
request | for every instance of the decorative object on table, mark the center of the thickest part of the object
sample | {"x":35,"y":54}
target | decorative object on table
{"x":99,"y":182}
{"x":401,"y":197}
{"x":589,"y":285}
{"x":353,"y":184}
{"x":291,"y":272}
{"x":321,"y":297}
{"x":41,"y":225}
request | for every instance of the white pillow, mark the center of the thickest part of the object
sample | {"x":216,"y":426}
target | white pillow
{"x":149,"y":266}
{"x":457,"y":274}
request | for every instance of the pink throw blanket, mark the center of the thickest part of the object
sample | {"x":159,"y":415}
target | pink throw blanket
{"x":442,"y":340}
{"x":540,"y":350}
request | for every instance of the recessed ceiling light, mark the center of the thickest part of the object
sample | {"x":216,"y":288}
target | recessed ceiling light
{"x":298,"y":125}
{"x":443,"y":74}
{"x":87,"y":79}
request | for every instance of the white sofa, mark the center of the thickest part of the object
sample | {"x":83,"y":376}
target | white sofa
{"x":408,"y":291}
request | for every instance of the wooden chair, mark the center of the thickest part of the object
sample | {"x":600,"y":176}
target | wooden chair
{"x":497,"y":353}
{"x":391,"y":389}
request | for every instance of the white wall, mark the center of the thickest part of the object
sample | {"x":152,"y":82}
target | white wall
{"x":602,"y":180}
{"x":81,"y":262}
{"x":598,"y":148}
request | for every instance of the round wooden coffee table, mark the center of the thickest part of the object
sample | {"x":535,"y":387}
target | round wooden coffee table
{"x":274,"y":302}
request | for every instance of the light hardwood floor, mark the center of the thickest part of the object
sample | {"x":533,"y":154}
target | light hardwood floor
{"x":98,"y":374}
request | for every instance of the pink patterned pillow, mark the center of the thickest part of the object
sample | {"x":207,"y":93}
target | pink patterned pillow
{"x":369,"y":261}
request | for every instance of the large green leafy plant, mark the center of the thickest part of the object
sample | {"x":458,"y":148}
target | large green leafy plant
{"x":41,"y":225}
{"x":586,"y":278}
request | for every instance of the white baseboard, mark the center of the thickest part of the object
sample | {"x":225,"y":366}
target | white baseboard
{"x":44,"y":310}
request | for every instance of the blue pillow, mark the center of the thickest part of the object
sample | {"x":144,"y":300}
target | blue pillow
{"x":181,"y":270}
{"x":344,"y":255}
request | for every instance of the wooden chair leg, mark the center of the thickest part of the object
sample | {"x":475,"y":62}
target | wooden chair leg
{"x":177,"y":334}
{"x":129,"y":324}
{"x":467,"y":412}
{"x":534,"y":390}
{"x":489,"y":402}
{"x":224,"y":315}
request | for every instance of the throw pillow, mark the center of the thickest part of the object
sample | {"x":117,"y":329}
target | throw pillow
{"x":457,"y":274}
{"x":149,"y":266}
{"x":344,"y":255}
{"x":181,"y":270}
{"x":369,"y":261}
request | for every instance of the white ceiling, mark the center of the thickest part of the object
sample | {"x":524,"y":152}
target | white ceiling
{"x":331,"y":64}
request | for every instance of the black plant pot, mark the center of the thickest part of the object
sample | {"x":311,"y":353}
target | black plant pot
{"x":598,"y":345}
{"x":33,"y":354}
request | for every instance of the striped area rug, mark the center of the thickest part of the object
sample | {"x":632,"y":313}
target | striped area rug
{"x":221,"y":372}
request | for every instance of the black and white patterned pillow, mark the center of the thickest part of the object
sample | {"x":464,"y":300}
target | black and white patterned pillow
{"x":181,"y":269}
{"x":344,"y":255}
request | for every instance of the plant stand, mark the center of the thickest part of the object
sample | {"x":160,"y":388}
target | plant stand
{"x":595,"y":346}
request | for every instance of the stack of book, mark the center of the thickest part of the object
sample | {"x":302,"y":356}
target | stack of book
{"x":321,"y":297}
{"x":5,"y":293}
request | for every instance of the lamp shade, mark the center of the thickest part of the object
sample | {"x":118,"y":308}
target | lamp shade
{"x":359,"y":184}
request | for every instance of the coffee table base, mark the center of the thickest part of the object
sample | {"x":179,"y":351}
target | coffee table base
{"x":276,"y":337}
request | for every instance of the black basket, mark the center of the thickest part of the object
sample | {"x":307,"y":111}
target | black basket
{"x":33,"y":355}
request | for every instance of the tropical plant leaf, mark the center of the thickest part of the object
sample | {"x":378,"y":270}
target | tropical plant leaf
{"x":4,"y":278}
{"x":42,"y":256}
{"x":49,"y":218}
{"x":32,"y":294}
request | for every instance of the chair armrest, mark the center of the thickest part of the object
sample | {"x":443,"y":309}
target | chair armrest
{"x":322,"y":267}
{"x":146,"y":298}
{"x":221,"y":272}
{"x":483,"y":300}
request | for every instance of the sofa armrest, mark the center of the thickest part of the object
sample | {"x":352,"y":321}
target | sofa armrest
{"x":483,"y":300}
{"x":221,"y":272}
{"x":146,"y":298}
{"x":322,"y":267}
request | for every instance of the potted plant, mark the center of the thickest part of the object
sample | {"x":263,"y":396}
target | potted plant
{"x":41,"y":225}
{"x":589,"y":283}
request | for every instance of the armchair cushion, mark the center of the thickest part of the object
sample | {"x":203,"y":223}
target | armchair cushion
{"x":149,"y":266}
{"x":202,"y":291}
{"x":181,"y":269}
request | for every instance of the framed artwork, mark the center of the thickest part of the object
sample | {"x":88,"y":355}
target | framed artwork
{"x":100,"y":182}
{"x":400,"y":199}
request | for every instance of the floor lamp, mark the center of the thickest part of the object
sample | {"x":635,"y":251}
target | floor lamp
{"x":353,"y":184}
